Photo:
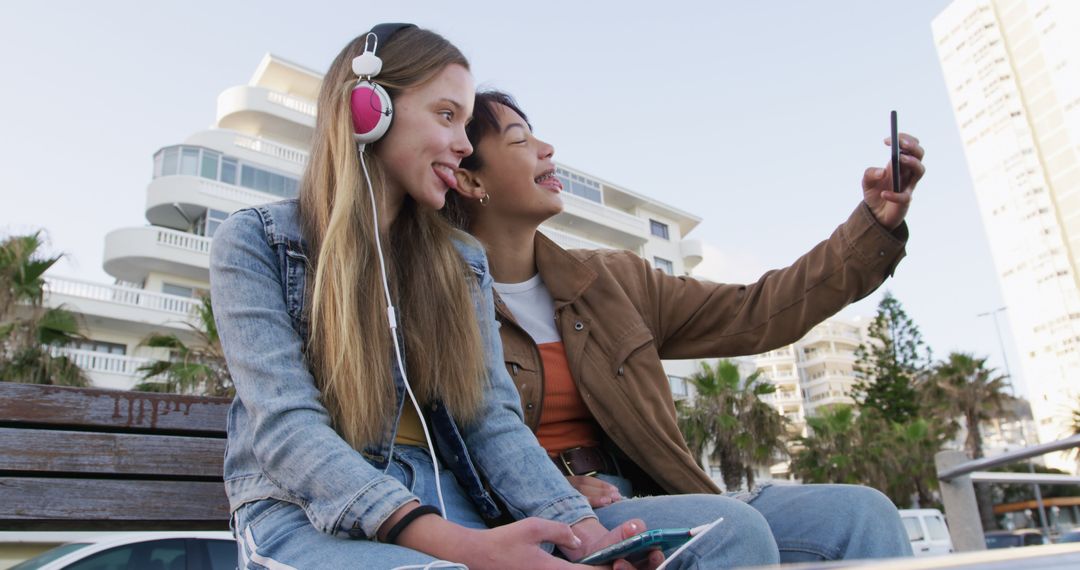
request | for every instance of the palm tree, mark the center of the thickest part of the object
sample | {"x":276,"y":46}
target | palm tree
{"x":729,"y":416}
{"x":867,"y":449}
{"x":907,"y":467}
{"x":29,"y":332}
{"x":962,"y":386}
{"x":190,"y":369}
{"x":831,"y":451}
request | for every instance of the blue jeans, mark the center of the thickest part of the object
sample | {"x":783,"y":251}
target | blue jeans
{"x":781,"y":523}
{"x":277,"y":535}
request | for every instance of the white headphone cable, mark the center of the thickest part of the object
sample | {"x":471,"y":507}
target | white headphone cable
{"x":391,"y":316}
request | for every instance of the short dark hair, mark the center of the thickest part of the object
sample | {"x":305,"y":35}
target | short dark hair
{"x":484,"y":122}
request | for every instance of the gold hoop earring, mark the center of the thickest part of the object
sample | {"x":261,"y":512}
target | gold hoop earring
{"x":485,"y":199}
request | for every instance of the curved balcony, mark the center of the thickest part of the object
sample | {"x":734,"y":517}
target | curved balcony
{"x":128,"y":308}
{"x":829,"y":400}
{"x":272,"y":114}
{"x":833,"y":332}
{"x":603,"y":223}
{"x":115,"y":371}
{"x":173,"y":201}
{"x":821,"y":357}
{"x":132,"y":253}
{"x":693,"y":251}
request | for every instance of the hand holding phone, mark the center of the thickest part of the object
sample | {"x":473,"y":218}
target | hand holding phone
{"x":637,"y":547}
{"x":895,"y":148}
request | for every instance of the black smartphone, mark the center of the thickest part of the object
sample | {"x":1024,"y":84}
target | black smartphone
{"x":637,"y":547}
{"x":895,"y":154}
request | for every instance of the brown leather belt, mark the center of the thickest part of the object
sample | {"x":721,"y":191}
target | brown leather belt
{"x":585,"y":461}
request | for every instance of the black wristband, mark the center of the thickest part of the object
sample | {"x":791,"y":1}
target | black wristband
{"x":399,"y":527}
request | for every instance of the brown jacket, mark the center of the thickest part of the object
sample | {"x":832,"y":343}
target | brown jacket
{"x":619,"y":317}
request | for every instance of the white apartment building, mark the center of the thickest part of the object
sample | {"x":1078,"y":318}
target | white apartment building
{"x":1011,"y":69}
{"x":255,"y":153}
{"x":815,"y":371}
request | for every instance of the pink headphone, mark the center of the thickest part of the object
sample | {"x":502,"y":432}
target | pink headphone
{"x":371,"y":106}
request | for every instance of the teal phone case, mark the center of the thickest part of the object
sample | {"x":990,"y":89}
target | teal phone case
{"x":638,"y":546}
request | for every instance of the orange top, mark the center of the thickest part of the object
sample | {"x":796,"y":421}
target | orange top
{"x":565,"y":422}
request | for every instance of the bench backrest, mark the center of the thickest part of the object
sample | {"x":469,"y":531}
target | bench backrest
{"x":92,"y":459}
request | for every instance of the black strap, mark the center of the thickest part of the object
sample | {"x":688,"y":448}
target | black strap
{"x":399,"y":527}
{"x":383,"y":32}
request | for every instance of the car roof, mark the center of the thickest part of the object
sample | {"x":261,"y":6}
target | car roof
{"x":98,"y":544}
{"x":125,"y":537}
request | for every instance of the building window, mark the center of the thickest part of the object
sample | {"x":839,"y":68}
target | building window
{"x":664,"y":265}
{"x":659,"y":229}
{"x":678,"y":386}
{"x":182,"y":291}
{"x":198,"y":161}
{"x":579,"y":185}
{"x":228,"y":170}
{"x":213,"y":219}
{"x":99,"y":346}
{"x":210,"y":162}
{"x":189,"y":161}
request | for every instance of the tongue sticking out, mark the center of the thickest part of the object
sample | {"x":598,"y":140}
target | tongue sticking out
{"x":446,"y":176}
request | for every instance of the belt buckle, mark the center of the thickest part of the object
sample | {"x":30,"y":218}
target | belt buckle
{"x":569,"y":469}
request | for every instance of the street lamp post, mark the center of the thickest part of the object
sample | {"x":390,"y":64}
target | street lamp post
{"x":1023,"y":436}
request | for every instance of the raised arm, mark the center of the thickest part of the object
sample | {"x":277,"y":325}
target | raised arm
{"x":696,"y":319}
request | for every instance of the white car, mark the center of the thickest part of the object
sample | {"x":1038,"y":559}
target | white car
{"x":927,"y":531}
{"x":179,"y":550}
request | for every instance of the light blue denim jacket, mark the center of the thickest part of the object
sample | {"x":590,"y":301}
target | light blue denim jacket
{"x":280,"y":441}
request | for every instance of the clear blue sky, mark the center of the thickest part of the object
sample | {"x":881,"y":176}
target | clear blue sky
{"x":758,"y":117}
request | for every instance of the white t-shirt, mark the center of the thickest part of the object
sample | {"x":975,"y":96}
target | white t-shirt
{"x":532,"y":307}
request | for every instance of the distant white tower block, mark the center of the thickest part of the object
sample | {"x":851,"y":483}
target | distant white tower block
{"x":1012,"y":69}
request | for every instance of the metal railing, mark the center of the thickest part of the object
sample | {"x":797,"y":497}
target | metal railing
{"x":957,"y":476}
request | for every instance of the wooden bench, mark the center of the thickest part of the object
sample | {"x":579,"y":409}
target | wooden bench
{"x":91,"y":459}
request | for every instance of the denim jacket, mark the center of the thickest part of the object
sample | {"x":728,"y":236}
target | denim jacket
{"x":280,"y":441}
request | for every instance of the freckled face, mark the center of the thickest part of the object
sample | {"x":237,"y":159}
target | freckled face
{"x":427,"y":140}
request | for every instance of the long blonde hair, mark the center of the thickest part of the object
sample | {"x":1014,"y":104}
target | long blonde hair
{"x":350,"y":351}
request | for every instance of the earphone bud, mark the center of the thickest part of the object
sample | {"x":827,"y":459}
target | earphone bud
{"x":371,"y":107}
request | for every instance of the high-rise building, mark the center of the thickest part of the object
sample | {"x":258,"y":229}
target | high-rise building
{"x":1012,"y":69}
{"x":255,"y":153}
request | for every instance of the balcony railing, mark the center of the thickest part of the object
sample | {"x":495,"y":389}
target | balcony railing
{"x":121,"y":295}
{"x":606,"y":215}
{"x":183,"y":240}
{"x":290,"y":102}
{"x":235,"y":193}
{"x":832,"y":333}
{"x":272,"y":149}
{"x":91,"y":361}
